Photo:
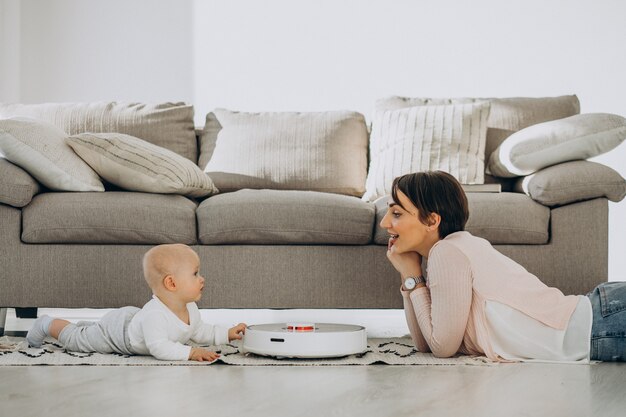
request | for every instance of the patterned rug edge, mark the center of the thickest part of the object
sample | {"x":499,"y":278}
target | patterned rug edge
{"x":14,"y":351}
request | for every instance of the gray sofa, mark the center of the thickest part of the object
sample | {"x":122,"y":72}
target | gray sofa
{"x":288,"y":249}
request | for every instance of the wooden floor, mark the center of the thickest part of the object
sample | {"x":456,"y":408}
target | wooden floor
{"x":377,"y":390}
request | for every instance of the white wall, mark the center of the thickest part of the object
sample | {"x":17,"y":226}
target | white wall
{"x":329,"y":54}
{"x":9,"y":50}
{"x":87,"y":50}
{"x":319,"y":55}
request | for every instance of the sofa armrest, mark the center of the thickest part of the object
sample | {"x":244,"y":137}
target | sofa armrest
{"x":17,"y":187}
{"x":572,"y":181}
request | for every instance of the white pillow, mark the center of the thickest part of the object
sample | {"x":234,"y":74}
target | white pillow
{"x":39,"y":148}
{"x":572,"y":138}
{"x":311,"y":151}
{"x":137,"y":165}
{"x":449,"y":138}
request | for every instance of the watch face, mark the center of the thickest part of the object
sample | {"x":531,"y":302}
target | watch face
{"x":409,"y":283}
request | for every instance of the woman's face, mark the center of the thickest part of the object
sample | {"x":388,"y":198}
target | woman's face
{"x":407,"y":232}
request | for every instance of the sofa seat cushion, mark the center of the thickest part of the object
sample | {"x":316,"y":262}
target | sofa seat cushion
{"x":501,"y":218}
{"x":109,"y":217}
{"x":284,"y":217}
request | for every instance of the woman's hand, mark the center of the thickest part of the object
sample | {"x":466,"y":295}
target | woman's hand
{"x":408,"y":264}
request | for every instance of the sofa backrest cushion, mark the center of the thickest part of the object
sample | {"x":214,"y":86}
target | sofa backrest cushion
{"x":506,"y":116}
{"x":313,"y":151}
{"x":169,"y":125}
{"x":17,"y":187}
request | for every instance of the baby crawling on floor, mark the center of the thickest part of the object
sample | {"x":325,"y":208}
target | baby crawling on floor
{"x":161,"y":328}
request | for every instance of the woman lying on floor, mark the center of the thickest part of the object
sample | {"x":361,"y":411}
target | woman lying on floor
{"x":475,"y":300}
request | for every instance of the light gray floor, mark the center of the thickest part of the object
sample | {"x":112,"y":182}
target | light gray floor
{"x":378,"y":390}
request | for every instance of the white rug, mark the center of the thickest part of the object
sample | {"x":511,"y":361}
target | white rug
{"x":14,"y":351}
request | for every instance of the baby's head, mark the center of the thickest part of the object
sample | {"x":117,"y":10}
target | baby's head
{"x":173,"y":271}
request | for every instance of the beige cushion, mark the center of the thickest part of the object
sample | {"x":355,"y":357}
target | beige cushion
{"x":40,"y":149}
{"x":449,"y":137}
{"x":284,"y":217}
{"x":137,"y":165}
{"x":289,"y":151}
{"x":506,"y":115}
{"x":169,"y":125}
{"x":17,"y":187}
{"x":501,"y":218}
{"x":111,"y":217}
{"x":573,"y":181}
{"x":208,"y":138}
{"x":572,"y":138}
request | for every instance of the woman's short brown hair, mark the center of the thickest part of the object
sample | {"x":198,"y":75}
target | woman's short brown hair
{"x":435,"y":192}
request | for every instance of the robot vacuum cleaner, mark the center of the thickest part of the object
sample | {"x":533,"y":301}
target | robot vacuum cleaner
{"x":305,"y":340}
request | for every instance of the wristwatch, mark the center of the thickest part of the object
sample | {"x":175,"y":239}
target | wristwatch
{"x":411,"y":282}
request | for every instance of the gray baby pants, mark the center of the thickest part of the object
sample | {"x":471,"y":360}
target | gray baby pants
{"x":108,"y":335}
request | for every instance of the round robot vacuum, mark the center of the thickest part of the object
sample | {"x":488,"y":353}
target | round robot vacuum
{"x":305,"y":340}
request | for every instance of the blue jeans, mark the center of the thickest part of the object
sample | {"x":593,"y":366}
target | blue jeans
{"x":608,"y":332}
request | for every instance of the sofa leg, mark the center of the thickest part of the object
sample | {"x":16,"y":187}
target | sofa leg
{"x":3,"y":319}
{"x":26,"y":312}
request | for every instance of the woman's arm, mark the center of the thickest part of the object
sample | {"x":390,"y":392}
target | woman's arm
{"x":409,"y":264}
{"x":442,"y":309}
{"x":411,"y":321}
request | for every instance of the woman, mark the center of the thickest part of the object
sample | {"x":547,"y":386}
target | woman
{"x":477,"y":301}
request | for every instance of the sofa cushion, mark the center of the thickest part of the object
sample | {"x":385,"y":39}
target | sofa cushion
{"x":501,"y":218}
{"x":507,"y":115}
{"x":137,"y":165}
{"x":573,"y":181}
{"x":308,"y":151}
{"x":110,"y":217}
{"x":284,"y":217}
{"x":424,"y":138}
{"x":39,"y":148}
{"x":169,"y":125}
{"x":544,"y":144}
{"x":17,"y":187}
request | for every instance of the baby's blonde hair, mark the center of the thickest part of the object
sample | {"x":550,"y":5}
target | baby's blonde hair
{"x":164,"y":260}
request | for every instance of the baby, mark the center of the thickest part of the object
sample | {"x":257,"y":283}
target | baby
{"x":161,"y":328}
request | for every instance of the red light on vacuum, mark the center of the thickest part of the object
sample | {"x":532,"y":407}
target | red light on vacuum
{"x":300,"y":327}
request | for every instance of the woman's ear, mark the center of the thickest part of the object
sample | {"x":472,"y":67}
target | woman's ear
{"x":169,"y":283}
{"x":434,"y":220}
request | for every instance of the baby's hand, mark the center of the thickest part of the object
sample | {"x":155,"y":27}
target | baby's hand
{"x":237,"y":331}
{"x":202,"y":355}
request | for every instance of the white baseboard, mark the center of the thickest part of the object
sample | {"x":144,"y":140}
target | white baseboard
{"x":379,"y":323}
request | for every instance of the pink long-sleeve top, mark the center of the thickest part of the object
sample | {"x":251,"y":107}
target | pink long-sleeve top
{"x":463,"y":273}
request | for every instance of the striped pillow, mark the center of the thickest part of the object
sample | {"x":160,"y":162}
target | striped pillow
{"x":137,"y":165}
{"x":449,"y":138}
